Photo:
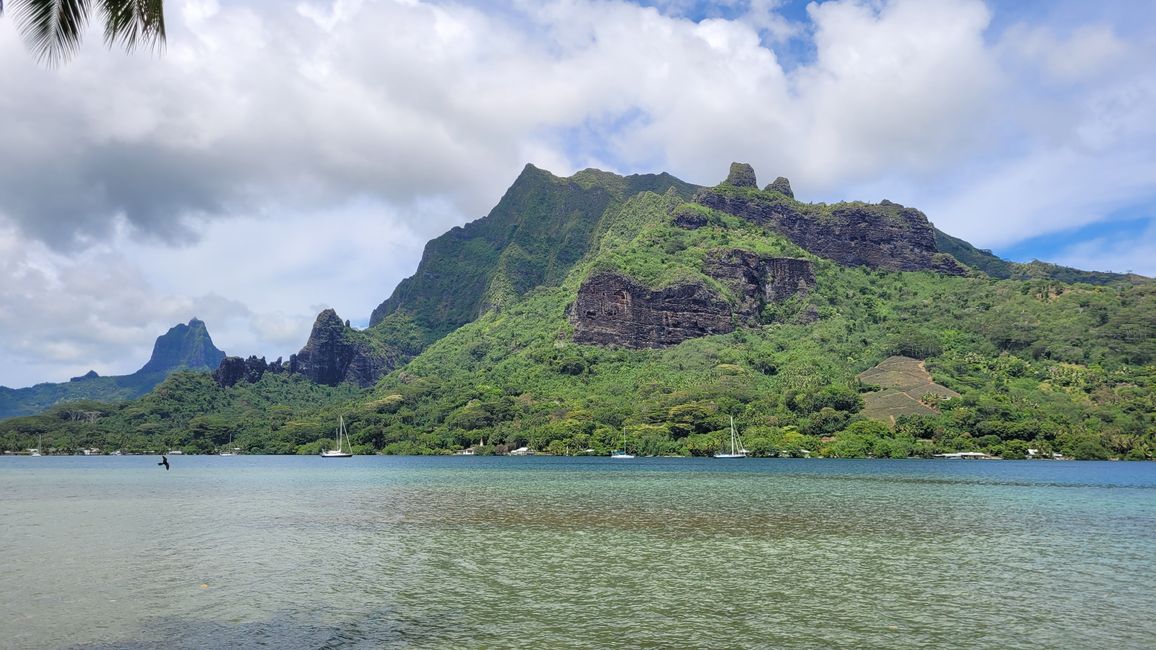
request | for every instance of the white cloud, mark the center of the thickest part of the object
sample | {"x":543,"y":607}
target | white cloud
{"x":284,"y":156}
{"x":95,"y":311}
{"x":896,"y":88}
{"x":1089,"y":51}
{"x":1131,"y":255}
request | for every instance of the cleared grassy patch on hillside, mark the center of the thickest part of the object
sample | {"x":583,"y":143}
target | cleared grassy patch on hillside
{"x":907,"y":389}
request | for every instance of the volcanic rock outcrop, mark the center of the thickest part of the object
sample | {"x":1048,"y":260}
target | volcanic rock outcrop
{"x":782,"y":186}
{"x":613,"y":309}
{"x":337,"y":353}
{"x":741,"y":175}
{"x":235,"y":369}
{"x":885,"y":236}
{"x":757,"y":280}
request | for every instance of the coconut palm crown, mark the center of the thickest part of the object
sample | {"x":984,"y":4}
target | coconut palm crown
{"x":53,"y":28}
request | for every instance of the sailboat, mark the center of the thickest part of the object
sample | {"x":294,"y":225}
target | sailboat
{"x":342,"y":443}
{"x":737,"y":450}
{"x":40,"y":445}
{"x":621,"y":453}
{"x":231,"y":451}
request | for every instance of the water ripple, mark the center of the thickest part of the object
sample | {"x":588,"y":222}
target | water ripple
{"x":416,"y":553}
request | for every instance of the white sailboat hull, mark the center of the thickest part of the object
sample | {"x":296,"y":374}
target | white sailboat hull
{"x":342,"y":443}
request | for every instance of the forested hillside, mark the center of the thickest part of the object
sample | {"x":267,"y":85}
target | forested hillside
{"x":685,"y":308}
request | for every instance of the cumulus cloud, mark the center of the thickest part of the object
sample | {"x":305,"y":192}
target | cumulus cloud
{"x":283,"y":156}
{"x":95,"y":311}
{"x":259,"y":107}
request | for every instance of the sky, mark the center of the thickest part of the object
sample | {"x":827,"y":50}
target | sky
{"x":279,"y":158}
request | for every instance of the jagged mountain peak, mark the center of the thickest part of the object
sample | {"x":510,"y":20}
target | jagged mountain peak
{"x":184,"y":346}
{"x":544,"y":222}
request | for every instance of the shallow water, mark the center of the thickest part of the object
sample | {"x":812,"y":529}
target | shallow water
{"x":287,"y":552}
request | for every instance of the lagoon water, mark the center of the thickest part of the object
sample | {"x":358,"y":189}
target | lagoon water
{"x":369,"y":552}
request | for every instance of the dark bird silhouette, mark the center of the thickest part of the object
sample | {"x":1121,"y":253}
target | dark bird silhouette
{"x":165,"y":462}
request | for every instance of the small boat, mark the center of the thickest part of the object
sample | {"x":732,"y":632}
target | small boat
{"x":175,"y":452}
{"x":231,"y":451}
{"x":36,"y":451}
{"x":621,"y":453}
{"x":342,"y":443}
{"x":737,"y":450}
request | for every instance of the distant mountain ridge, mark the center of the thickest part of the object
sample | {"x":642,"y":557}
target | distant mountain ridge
{"x":183,"y":347}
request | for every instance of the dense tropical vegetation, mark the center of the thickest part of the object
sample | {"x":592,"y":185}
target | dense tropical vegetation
{"x":1039,"y":364}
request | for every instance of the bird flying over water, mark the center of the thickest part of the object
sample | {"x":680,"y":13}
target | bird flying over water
{"x":165,"y":462}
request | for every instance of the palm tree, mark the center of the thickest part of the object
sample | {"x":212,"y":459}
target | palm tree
{"x":53,"y":28}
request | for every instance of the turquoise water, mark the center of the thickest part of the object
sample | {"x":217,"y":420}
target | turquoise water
{"x":575,"y":553}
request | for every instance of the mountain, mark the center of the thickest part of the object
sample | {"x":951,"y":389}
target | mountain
{"x":539,"y":230}
{"x":583,"y":307}
{"x":996,"y":267}
{"x":184,"y":346}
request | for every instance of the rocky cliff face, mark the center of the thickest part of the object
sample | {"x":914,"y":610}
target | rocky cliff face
{"x":183,"y":346}
{"x":613,"y":309}
{"x":883,"y":236}
{"x":756,"y":280}
{"x":337,"y":353}
{"x":235,"y":369}
{"x":535,"y":234}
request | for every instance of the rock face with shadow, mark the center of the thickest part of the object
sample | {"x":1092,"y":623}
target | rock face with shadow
{"x":336,"y":353}
{"x":613,"y":309}
{"x":884,"y":236}
{"x":233,"y":370}
{"x":757,"y":280}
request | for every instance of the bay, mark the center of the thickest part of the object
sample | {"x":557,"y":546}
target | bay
{"x":539,"y":552}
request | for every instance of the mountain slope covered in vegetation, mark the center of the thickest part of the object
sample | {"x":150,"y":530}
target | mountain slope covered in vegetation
{"x":686,"y":307}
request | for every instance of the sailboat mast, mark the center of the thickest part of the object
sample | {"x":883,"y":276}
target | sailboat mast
{"x":733,"y":434}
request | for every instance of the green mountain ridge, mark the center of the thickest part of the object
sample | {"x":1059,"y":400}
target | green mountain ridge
{"x":184,"y":346}
{"x":540,"y":228}
{"x":997,"y":267}
{"x":721,"y":309}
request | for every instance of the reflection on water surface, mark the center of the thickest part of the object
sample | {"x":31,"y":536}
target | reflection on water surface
{"x":580,"y":553}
